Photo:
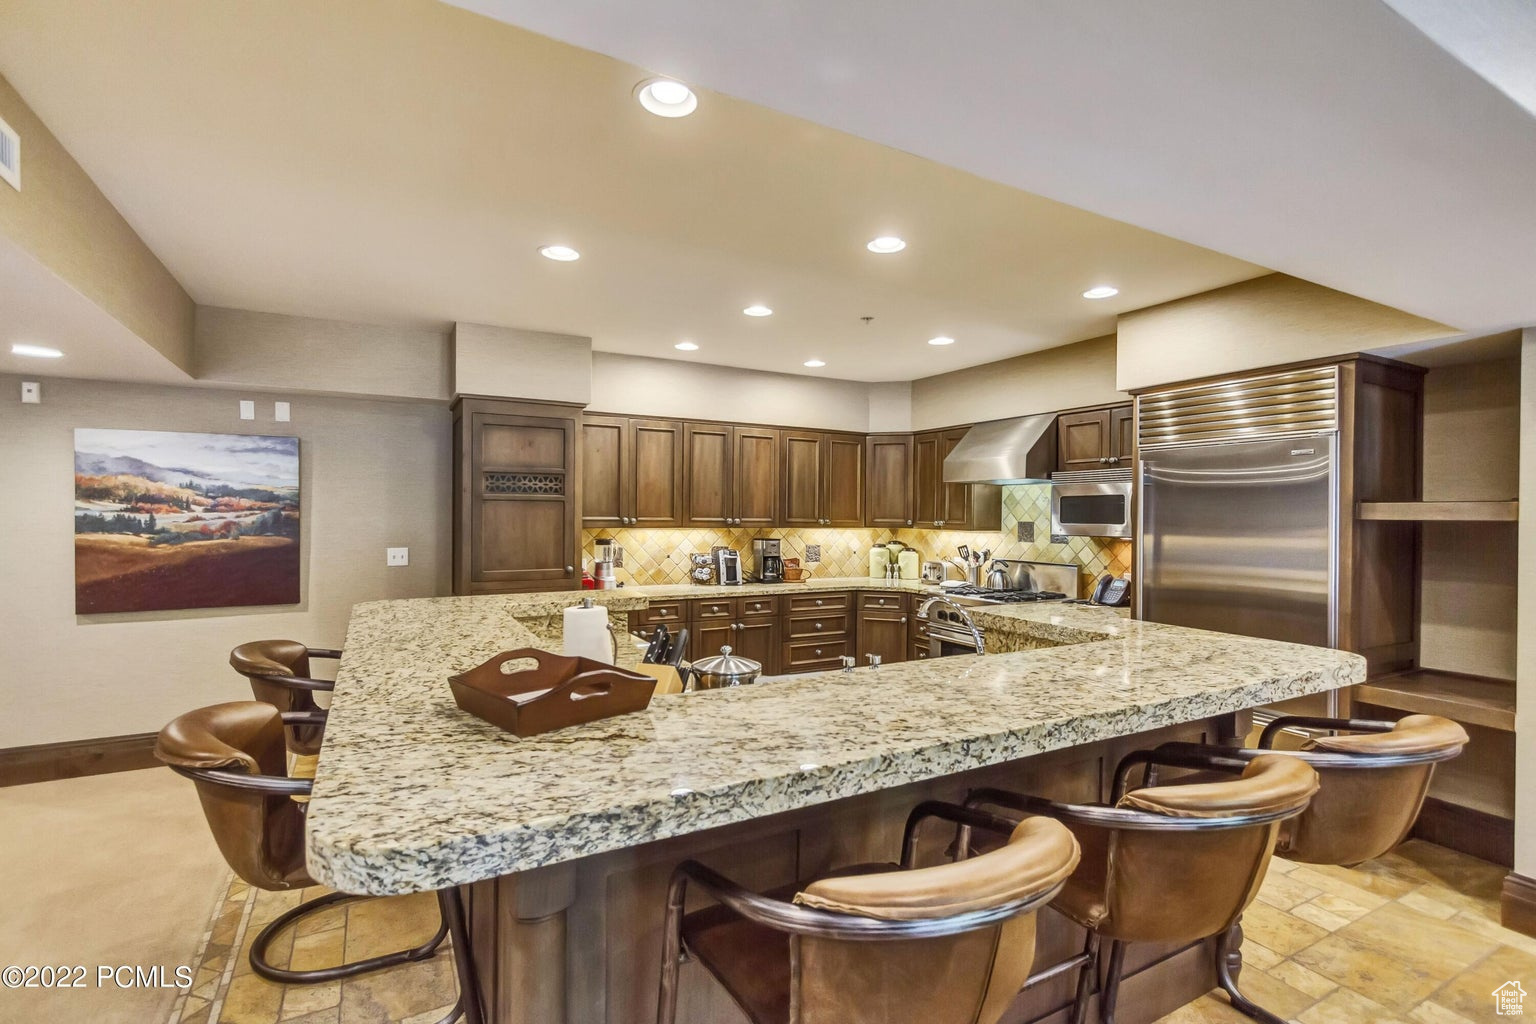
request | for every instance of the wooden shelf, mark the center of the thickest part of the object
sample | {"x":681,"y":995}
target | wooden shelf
{"x":1441,"y":511}
{"x":1471,"y":700}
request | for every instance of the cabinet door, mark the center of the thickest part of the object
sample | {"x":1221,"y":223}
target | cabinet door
{"x":756,"y":465}
{"x":707,"y":474}
{"x":883,"y":633}
{"x":657,"y":472}
{"x":1122,"y":435}
{"x":888,"y":480}
{"x":758,"y":639}
{"x":705,"y":638}
{"x":954,"y":506}
{"x":802,"y":473}
{"x":522,"y":521}
{"x":605,"y":465}
{"x":1082,"y":439}
{"x":842,"y":496}
{"x":926,"y":483}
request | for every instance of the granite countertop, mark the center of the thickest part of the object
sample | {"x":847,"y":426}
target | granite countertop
{"x":413,"y":794}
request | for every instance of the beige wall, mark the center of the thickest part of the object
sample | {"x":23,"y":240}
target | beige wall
{"x":374,"y":475}
{"x":237,"y":346}
{"x":1263,"y":322}
{"x":1058,"y":378}
{"x":65,"y":222}
{"x":504,"y":362}
{"x":1471,"y":453}
{"x":673,"y":387}
{"x":1525,"y":692}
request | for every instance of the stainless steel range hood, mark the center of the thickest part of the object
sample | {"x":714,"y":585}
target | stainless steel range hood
{"x":1005,"y":452}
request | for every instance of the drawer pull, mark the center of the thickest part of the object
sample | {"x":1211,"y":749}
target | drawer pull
{"x":819,"y":602}
{"x":818,"y":652}
{"x":818,"y":625}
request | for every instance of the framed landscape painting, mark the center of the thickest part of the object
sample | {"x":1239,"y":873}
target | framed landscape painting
{"x":167,"y":520}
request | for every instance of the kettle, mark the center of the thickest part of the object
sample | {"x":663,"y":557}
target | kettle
{"x":997,"y":577}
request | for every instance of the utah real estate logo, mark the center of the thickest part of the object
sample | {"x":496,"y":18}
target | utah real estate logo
{"x":1509,"y":1000}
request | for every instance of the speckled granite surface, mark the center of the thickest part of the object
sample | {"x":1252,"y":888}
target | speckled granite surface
{"x":414,"y":794}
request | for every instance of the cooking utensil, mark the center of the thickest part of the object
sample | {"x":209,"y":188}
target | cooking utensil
{"x":725,"y":670}
{"x":965,"y":552}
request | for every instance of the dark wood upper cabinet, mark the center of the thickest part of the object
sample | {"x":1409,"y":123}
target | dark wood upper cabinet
{"x":944,"y":506}
{"x":955,"y":499}
{"x":708,"y":490}
{"x":888,"y":480}
{"x":657,"y":447}
{"x":605,"y":464}
{"x":1095,"y":438}
{"x":822,"y":479}
{"x":632,"y":472}
{"x":517,"y":483}
{"x":756,"y":471}
{"x":926,"y":479}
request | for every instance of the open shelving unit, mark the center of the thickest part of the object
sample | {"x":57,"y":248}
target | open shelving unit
{"x":1473,"y":700}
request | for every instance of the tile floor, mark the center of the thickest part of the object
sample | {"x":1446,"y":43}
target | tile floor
{"x":1412,"y":937}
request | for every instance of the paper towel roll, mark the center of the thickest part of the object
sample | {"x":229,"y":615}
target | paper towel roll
{"x":586,"y":633}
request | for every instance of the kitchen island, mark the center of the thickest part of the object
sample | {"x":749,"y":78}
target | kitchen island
{"x":564,"y":841}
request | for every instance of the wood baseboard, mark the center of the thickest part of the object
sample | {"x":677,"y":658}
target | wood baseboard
{"x":46,"y":762}
{"x":1517,"y":904}
{"x":1467,"y":830}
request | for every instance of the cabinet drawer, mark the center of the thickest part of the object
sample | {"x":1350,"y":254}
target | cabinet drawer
{"x":828,"y":602}
{"x":834,"y":625}
{"x":919,"y":630}
{"x":758,"y":607}
{"x":876,"y":601}
{"x":813,"y":656}
{"x":705,"y":610}
{"x":919,"y":651}
{"x":668,"y":612}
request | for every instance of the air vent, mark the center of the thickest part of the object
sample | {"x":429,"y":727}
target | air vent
{"x":10,"y":155}
{"x":1276,"y":405}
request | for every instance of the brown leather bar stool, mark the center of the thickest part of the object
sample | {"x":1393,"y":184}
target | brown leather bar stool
{"x":236,"y":756}
{"x":279,"y":674}
{"x":1166,"y":864}
{"x":877,"y":944}
{"x":1373,"y":775}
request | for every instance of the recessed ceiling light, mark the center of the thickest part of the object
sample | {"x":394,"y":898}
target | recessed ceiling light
{"x":814,"y":363}
{"x":1102,"y":291}
{"x":686,"y":346}
{"x":941,"y":340}
{"x":563,"y":253}
{"x":758,"y":311}
{"x":886,"y":243}
{"x":666,"y":98}
{"x":37,"y":351}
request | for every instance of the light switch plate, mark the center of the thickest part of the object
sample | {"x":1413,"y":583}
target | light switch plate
{"x":280,"y":412}
{"x":31,"y":392}
{"x":247,"y":410}
{"x":397,"y":556}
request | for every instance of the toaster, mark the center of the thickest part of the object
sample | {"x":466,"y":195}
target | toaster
{"x":935,"y":572}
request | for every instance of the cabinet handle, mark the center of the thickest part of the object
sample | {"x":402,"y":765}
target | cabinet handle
{"x":909,"y":522}
{"x":818,"y":652}
{"x":903,"y":618}
{"x":818,"y":625}
{"x":819,"y":602}
{"x":570,"y":568}
{"x":714,"y":608}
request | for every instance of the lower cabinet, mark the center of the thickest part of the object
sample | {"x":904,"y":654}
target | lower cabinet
{"x":818,"y":631}
{"x":882,"y":627}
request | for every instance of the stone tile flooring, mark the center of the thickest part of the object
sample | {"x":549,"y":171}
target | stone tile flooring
{"x":1411,"y":938}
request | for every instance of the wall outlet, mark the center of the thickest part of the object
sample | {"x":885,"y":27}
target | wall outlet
{"x":280,"y":412}
{"x":31,"y":392}
{"x":397,"y":556}
{"x":247,"y":410}
{"x":1060,"y":538}
{"x":1026,"y":532}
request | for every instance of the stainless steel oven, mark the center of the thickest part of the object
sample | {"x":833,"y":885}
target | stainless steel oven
{"x":1099,"y":506}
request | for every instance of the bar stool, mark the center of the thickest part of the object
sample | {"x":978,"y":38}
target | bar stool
{"x":1166,"y":864}
{"x":877,"y":944}
{"x":1374,"y":777}
{"x":278,"y":671}
{"x":235,"y":755}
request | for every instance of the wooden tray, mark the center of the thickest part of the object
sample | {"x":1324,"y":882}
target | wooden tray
{"x":558,"y":692}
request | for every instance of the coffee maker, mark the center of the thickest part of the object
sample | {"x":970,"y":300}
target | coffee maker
{"x":765,"y":555}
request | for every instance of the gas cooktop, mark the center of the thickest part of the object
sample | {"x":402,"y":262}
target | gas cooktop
{"x":984,"y":595}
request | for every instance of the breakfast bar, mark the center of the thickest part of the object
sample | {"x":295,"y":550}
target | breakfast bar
{"x":562,"y":843}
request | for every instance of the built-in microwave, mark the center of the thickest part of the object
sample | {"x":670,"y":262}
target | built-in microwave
{"x":1094,"y":503}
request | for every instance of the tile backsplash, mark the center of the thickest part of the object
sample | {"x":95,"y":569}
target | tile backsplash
{"x":661,"y":556}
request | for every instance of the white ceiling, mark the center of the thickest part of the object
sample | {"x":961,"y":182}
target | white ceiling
{"x":402,"y":162}
{"x":1329,"y":139}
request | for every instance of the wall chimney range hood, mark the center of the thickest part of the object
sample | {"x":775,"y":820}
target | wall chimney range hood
{"x":1015,"y":451}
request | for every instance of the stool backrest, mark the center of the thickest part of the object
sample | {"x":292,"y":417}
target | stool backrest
{"x":260,"y":833}
{"x":1366,"y":809}
{"x":965,"y":978}
{"x":274,"y":658}
{"x":1196,"y":876}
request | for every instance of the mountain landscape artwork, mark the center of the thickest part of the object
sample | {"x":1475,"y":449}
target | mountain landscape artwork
{"x":167,"y":520}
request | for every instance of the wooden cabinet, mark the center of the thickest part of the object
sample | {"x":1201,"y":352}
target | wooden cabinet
{"x":731,"y":475}
{"x":632,"y":472}
{"x":888,"y":488}
{"x":1095,"y":438}
{"x":944,"y":506}
{"x":822,"y":479}
{"x":917,"y":631}
{"x":748,"y":625}
{"x":882,"y":626}
{"x":517,"y":472}
{"x":818,"y":631}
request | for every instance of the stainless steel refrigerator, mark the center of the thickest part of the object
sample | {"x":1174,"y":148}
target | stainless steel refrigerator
{"x":1239,"y":510}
